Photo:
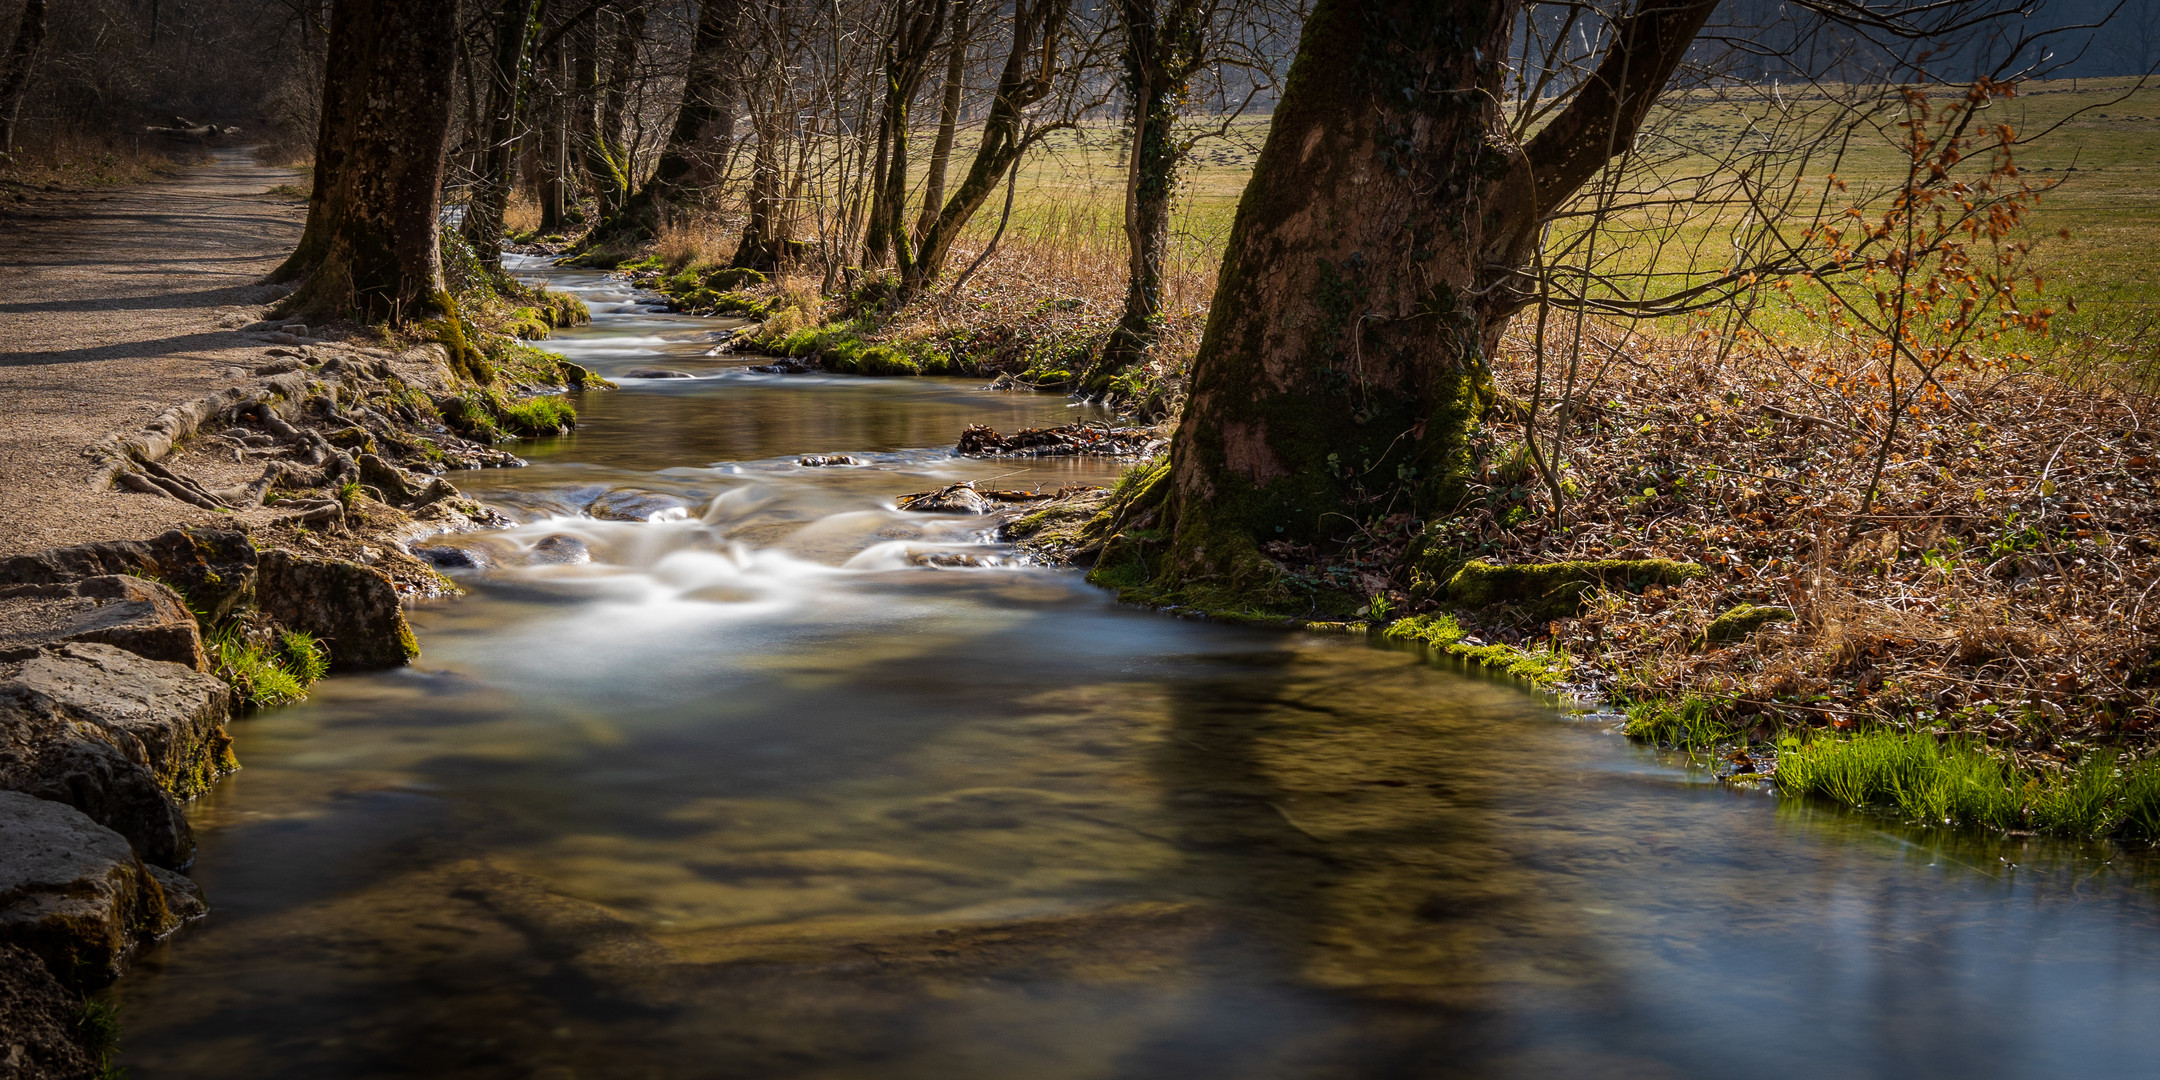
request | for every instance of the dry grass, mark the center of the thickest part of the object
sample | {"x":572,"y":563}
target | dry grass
{"x":2006,"y":586}
{"x":522,"y":215}
{"x":91,"y":160}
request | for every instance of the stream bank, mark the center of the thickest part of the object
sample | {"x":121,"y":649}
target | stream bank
{"x":720,"y":769}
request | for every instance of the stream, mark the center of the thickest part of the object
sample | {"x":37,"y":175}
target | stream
{"x":726,"y":768}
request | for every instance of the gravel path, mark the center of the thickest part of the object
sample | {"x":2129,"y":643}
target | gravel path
{"x":113,"y":314}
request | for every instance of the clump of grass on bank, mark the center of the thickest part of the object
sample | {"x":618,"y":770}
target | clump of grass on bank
{"x":267,"y":673}
{"x":486,"y":415}
{"x":1957,"y":781}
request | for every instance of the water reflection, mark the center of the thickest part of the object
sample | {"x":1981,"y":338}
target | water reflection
{"x":709,"y":777}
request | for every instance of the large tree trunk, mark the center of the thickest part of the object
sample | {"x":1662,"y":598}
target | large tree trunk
{"x":370,"y":249}
{"x":490,"y":197}
{"x":764,"y":240}
{"x":1370,"y":271}
{"x":704,"y":125}
{"x":554,"y":145}
{"x":15,"y":71}
{"x":956,"y":55}
{"x":607,"y":154}
{"x":1025,"y":79}
{"x":1160,"y":52}
{"x":916,"y":26}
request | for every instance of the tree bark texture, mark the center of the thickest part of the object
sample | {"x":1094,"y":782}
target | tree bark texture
{"x":490,"y":198}
{"x":1373,"y":263}
{"x":555,"y":143}
{"x":956,"y":55}
{"x":371,"y":245}
{"x":1024,"y":80}
{"x":764,"y":239}
{"x":607,"y":153}
{"x":15,"y":70}
{"x":917,"y":25}
{"x":1162,"y":49}
{"x":704,"y":125}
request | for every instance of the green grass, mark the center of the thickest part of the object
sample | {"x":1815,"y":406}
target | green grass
{"x":1691,"y":725}
{"x":545,"y":415}
{"x":1957,"y":782}
{"x":1540,"y":665}
{"x":97,"y":1025}
{"x":265,"y":675}
{"x":1071,"y":195}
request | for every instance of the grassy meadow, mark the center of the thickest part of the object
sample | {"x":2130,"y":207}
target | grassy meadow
{"x":2100,"y":139}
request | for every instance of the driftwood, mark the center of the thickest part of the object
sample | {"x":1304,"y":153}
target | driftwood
{"x":1067,"y":439}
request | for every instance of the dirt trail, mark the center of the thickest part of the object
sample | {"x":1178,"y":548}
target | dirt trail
{"x":113,"y":314}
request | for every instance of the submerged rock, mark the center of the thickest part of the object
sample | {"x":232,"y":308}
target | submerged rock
{"x":784,"y":366}
{"x":352,"y":608}
{"x":824,"y":461}
{"x":656,"y":373}
{"x":561,"y":550}
{"x":71,"y":892}
{"x":445,"y":557}
{"x":131,"y":613}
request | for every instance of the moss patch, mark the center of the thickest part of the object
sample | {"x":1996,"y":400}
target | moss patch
{"x":1742,"y":621}
{"x":1557,"y":590}
{"x":1540,"y":666}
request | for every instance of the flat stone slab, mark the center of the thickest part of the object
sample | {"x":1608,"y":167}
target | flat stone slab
{"x":118,"y":737}
{"x":72,"y":892}
{"x":126,"y":612}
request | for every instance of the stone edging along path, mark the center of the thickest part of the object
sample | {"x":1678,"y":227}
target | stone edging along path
{"x":112,"y":714}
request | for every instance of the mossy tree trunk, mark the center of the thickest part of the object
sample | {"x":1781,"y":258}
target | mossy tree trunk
{"x":607,"y":153}
{"x":1161,"y":49}
{"x":1030,"y":66}
{"x":1374,"y":261}
{"x":917,"y":24}
{"x":956,"y":55}
{"x":371,"y":246}
{"x":490,"y":198}
{"x":704,"y":126}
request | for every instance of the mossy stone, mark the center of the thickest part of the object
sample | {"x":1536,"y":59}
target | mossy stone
{"x":1744,"y":620}
{"x":1556,"y":590}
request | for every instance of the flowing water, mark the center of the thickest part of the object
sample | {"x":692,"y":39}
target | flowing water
{"x":725,"y":768}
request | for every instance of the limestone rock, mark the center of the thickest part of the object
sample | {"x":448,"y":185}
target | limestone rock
{"x":162,"y":716}
{"x":561,"y":550}
{"x":214,"y":569}
{"x":37,"y":1023}
{"x":184,"y":899}
{"x":352,"y":608}
{"x":71,"y":891}
{"x":140,"y":616}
